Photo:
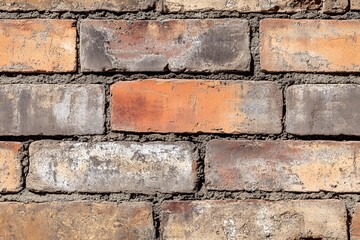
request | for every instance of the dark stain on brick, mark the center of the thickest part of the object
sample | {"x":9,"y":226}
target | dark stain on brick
{"x":95,"y":52}
{"x":220,"y":45}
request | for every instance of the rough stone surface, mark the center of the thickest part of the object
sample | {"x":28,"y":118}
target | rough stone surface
{"x":286,"y":6}
{"x":355,"y":224}
{"x":37,"y":45}
{"x":76,"y":220}
{"x":355,"y":4}
{"x":195,"y":45}
{"x":196,"y":106}
{"x":323,"y":109}
{"x":47,"y":109}
{"x":10,"y":167}
{"x":254,"y":219}
{"x":76,"y":5}
{"x":310,"y":45}
{"x":295,"y":166}
{"x":112,"y":167}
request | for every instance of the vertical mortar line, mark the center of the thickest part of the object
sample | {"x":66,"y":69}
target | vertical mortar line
{"x":200,"y":166}
{"x":283,"y":121}
{"x":350,"y":209}
{"x":107,"y":109}
{"x":156,"y":206}
{"x":25,"y":162}
{"x":255,"y":46}
{"x":78,"y":67}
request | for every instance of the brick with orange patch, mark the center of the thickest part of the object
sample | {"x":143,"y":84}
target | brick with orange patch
{"x":310,"y":45}
{"x":10,"y":167}
{"x":196,"y":106}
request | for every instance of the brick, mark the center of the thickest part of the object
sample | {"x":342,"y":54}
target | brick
{"x":323,"y":109}
{"x":112,"y":167}
{"x":355,"y":224}
{"x":295,"y":166}
{"x":37,"y":45}
{"x":355,"y":4}
{"x":254,"y":219}
{"x":196,"y":106}
{"x":10,"y":170}
{"x":210,"y":45}
{"x":76,"y":5}
{"x":281,"y":6}
{"x":45,"y":109}
{"x":309,"y":45}
{"x":76,"y":220}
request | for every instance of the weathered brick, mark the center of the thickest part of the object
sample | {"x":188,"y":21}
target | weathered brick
{"x":286,"y":6}
{"x":196,"y":106}
{"x":46,"y":109}
{"x":76,"y":5}
{"x":10,"y":170}
{"x":209,"y":45}
{"x":112,"y":167}
{"x":295,"y":166}
{"x":323,"y":109}
{"x":355,"y":224}
{"x":310,"y":45}
{"x":76,"y":220}
{"x":355,"y":4}
{"x":37,"y":45}
{"x":254,"y":219}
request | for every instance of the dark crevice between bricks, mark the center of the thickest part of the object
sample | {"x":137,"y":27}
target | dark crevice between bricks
{"x":107,"y":109}
{"x":156,"y":207}
{"x":25,"y":163}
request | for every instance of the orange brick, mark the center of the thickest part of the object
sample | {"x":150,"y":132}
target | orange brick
{"x":253,"y":219}
{"x":355,"y":224}
{"x":76,"y":5}
{"x":37,"y":45}
{"x":10,"y":170}
{"x":196,"y":106}
{"x":77,"y":220}
{"x":295,"y":166}
{"x":288,"y":6}
{"x":310,"y":45}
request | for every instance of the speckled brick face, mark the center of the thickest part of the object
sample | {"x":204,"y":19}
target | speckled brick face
{"x":253,"y":219}
{"x":320,"y":109}
{"x":76,"y":5}
{"x":37,"y":45}
{"x":76,"y":220}
{"x":196,"y":106}
{"x":288,"y":6}
{"x":294,"y":166}
{"x":48,"y":109}
{"x":112,"y":167}
{"x":156,"y":46}
{"x":10,"y":167}
{"x":309,"y":45}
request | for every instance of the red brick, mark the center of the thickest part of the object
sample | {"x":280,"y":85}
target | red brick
{"x":295,"y":166}
{"x":76,"y":220}
{"x":10,"y":170}
{"x":310,"y":45}
{"x":112,"y":167}
{"x":196,"y":106}
{"x":37,"y":45}
{"x":286,"y":6}
{"x":320,"y":109}
{"x":254,"y":219}
{"x":51,"y":109}
{"x":192,"y":45}
{"x":76,"y":5}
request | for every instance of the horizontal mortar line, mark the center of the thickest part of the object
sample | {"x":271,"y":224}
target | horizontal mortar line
{"x":171,"y":137}
{"x":130,"y":16}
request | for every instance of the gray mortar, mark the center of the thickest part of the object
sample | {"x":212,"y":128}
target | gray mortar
{"x":200,"y":140}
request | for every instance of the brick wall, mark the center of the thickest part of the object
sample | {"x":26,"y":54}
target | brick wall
{"x":169,"y":119}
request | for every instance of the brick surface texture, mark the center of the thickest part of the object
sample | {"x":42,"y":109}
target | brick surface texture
{"x":196,"y":106}
{"x":76,"y":220}
{"x":37,"y":45}
{"x":179,"y":119}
